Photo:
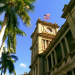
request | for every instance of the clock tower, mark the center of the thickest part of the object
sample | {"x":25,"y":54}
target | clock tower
{"x":46,"y":33}
{"x":41,"y":38}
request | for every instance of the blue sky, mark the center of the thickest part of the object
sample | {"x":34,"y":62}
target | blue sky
{"x":42,"y":7}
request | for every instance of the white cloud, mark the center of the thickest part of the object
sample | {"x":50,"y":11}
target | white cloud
{"x":23,"y":65}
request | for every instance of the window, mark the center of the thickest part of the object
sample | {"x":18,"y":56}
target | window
{"x":46,"y":43}
{"x":43,"y":44}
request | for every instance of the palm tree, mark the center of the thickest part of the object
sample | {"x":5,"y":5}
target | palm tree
{"x":11,"y":35}
{"x":7,"y":62}
{"x":0,"y":22}
{"x":14,"y":8}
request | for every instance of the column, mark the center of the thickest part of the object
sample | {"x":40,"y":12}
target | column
{"x":55,"y":56}
{"x":45,"y":44}
{"x":34,"y":52}
{"x":62,"y":50}
{"x":35,"y":69}
{"x":63,"y":53}
{"x":47,"y":65}
{"x":68,"y":49}
{"x":52,"y":60}
{"x":73,"y":72}
{"x":67,"y":46}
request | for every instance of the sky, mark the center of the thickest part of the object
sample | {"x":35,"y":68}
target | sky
{"x":42,"y":7}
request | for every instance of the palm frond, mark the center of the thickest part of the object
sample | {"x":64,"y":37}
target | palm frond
{"x":10,"y":66}
{"x":4,"y":49}
{"x":3,"y":1}
{"x":13,"y":40}
{"x":14,"y":57}
{"x":4,"y":67}
{"x":2,"y":9}
{"x":4,"y":54}
{"x":0,"y":67}
{"x":10,"y":57}
{"x":29,"y":6}
{"x":19,"y":32}
{"x":20,"y":10}
{"x":25,"y":18}
{"x":0,"y":62}
{"x":9,"y":42}
{"x":8,"y":62}
{"x":14,"y":72}
{"x":1,"y":23}
{"x":15,"y":19}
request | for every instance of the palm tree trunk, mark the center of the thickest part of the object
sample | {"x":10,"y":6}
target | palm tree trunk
{"x":2,"y":71}
{"x":1,"y":49}
{"x":3,"y":27}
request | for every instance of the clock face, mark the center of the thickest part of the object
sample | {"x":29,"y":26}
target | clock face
{"x":49,"y":30}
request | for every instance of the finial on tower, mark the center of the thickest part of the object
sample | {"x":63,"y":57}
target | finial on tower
{"x":55,"y":23}
{"x":39,"y":19}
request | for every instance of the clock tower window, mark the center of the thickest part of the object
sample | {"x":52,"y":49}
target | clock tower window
{"x":45,"y":44}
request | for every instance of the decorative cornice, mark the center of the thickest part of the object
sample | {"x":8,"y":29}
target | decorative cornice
{"x":46,"y":23}
{"x":47,"y":35}
{"x":68,"y":8}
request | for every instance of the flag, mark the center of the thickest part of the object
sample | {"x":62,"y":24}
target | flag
{"x":47,"y":16}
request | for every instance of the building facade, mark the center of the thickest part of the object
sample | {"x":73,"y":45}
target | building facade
{"x":53,"y":51}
